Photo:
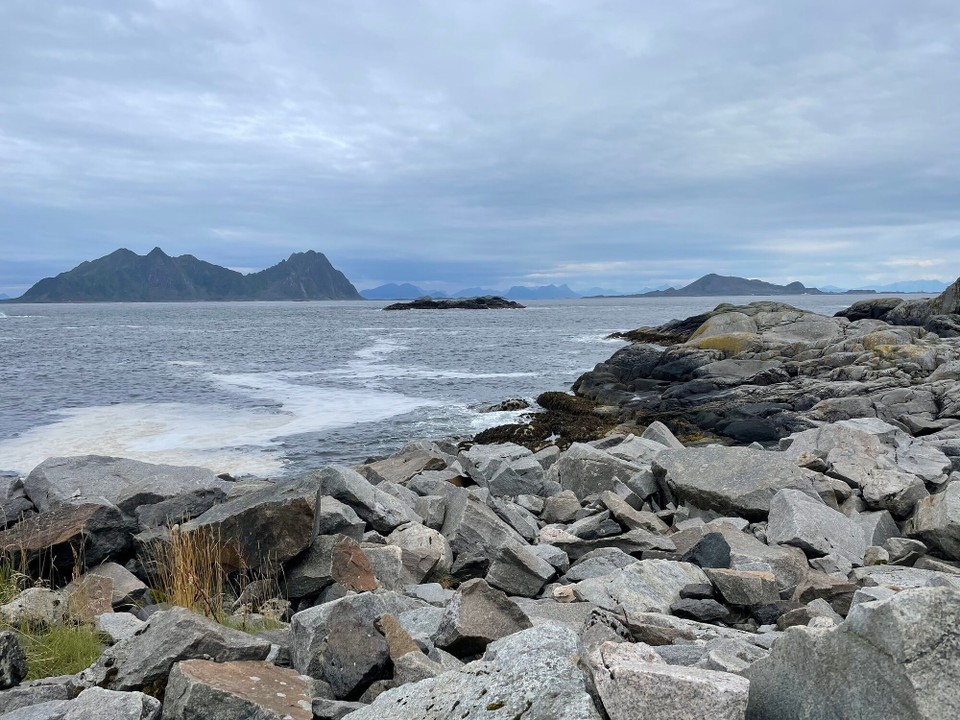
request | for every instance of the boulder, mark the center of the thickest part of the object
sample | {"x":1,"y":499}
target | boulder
{"x":13,"y":661}
{"x":517,"y":570}
{"x":471,"y":527}
{"x":903,"y":650}
{"x":167,"y":638}
{"x":329,"y":559}
{"x":745,"y":588}
{"x":644,"y":586}
{"x":118,"y":626}
{"x":127,"y":589}
{"x":937,"y":521}
{"x":476,"y":616}
{"x":263,"y":528}
{"x":424,"y":542}
{"x":585,"y":470}
{"x":99,"y":704}
{"x":14,"y":504}
{"x":729,"y":480}
{"x":325,"y":709}
{"x":337,"y":641}
{"x":179,"y":509}
{"x":506,"y":469}
{"x":35,"y":606}
{"x":32,"y":694}
{"x":226,"y":691}
{"x":805,"y":522}
{"x":334,"y":518}
{"x":53,"y":541}
{"x":381,"y":510}
{"x":632,"y":688}
{"x":531,"y":675}
{"x":96,"y":479}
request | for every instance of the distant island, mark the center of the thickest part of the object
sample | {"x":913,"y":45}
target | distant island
{"x":124,"y":276}
{"x":407,"y":291}
{"x":714,"y":285}
{"x":488,"y":302}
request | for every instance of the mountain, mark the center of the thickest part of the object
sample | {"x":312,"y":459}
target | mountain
{"x":913,"y":286}
{"x":543,"y":292}
{"x":124,"y":276}
{"x":475,"y":292}
{"x":716,"y":285}
{"x":4,"y":296}
{"x":403,"y":291}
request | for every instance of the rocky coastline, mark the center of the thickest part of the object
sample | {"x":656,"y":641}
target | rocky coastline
{"x":486,"y":302}
{"x":750,"y":514}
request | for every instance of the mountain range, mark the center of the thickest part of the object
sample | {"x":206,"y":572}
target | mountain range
{"x":124,"y":276}
{"x":718,"y":285}
{"x":406,"y":291}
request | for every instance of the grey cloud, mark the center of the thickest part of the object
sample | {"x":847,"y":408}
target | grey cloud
{"x":611,"y":143}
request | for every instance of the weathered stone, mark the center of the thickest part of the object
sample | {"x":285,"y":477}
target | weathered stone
{"x":802,"y":521}
{"x":729,"y":480}
{"x":95,"y":479}
{"x":35,"y":606}
{"x":179,"y":509}
{"x":13,"y":661}
{"x":634,"y":541}
{"x":89,"y":596}
{"x":324,"y":709}
{"x":518,"y":571}
{"x":99,"y":704}
{"x":898,"y":577}
{"x":167,"y":638}
{"x":201,"y":689}
{"x":33,"y":694}
{"x":644,"y":586}
{"x":426,"y":543}
{"x":660,"y":433}
{"x":595,"y":526}
{"x":904,"y":551}
{"x":744,"y":587}
{"x":903,"y":651}
{"x":585,"y":470}
{"x":128,"y":589}
{"x":630,"y":518}
{"x":634,"y":689}
{"x":118,"y":626}
{"x":338,"y":643}
{"x":562,"y":508}
{"x":382,"y":511}
{"x":531,"y":674}
{"x":53,"y":541}
{"x":476,"y":616}
{"x":701,"y":610}
{"x":730,"y":655}
{"x":332,"y":517}
{"x":329,"y":559}
{"x":712,"y":551}
{"x":472,"y":527}
{"x":937,"y":521}
{"x":401,"y":467}
{"x":876,"y":527}
{"x":262,"y":528}
{"x":597,"y":563}
{"x":507,"y":470}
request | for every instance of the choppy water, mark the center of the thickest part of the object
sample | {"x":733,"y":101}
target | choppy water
{"x":265,"y":388}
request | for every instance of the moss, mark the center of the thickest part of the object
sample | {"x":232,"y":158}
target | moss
{"x":730,"y":345}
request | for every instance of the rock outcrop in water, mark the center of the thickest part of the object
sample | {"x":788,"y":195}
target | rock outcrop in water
{"x":486,"y":302}
{"x":623,"y":575}
{"x":124,"y":276}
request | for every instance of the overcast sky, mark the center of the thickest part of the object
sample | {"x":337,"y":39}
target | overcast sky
{"x":612,"y":144}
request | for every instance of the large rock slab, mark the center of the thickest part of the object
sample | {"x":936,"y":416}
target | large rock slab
{"x":586,"y":470}
{"x":128,"y":484}
{"x":263,"y":528}
{"x":169,"y":637}
{"x":729,"y":480}
{"x":329,"y":559}
{"x":644,"y":586}
{"x":890,"y":659}
{"x":476,"y":616}
{"x":205,"y":690}
{"x":506,"y":469}
{"x":338,"y":642}
{"x":937,"y":521}
{"x":379,"y":509}
{"x":807,"y":523}
{"x":53,"y":541}
{"x":633,"y":688}
{"x":531,"y":675}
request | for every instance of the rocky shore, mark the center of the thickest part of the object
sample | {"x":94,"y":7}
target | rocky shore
{"x":486,"y":302}
{"x":754,"y":513}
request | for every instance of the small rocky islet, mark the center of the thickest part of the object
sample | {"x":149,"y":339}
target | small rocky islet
{"x":754,"y":513}
{"x":484,"y":302}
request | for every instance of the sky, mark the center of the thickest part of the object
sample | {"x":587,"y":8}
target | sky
{"x":616,"y":144}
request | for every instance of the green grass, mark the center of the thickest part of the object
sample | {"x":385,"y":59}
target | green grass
{"x":60,"y":649}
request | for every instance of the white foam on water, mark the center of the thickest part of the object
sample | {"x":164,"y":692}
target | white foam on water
{"x":185,"y":363}
{"x":592,"y":339}
{"x":219,"y":437}
{"x":2,"y":315}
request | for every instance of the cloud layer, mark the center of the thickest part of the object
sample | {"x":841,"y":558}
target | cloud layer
{"x":616,"y":143}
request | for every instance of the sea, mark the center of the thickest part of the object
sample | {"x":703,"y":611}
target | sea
{"x":268,"y":389}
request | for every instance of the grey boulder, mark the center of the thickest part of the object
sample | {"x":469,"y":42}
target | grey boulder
{"x":807,"y":523}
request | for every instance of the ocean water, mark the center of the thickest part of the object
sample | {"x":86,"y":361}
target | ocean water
{"x":273,"y":388}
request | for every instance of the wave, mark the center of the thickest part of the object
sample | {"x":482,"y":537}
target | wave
{"x":592,"y":339}
{"x":185,"y":363}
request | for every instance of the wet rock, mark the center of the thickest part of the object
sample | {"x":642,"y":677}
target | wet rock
{"x":229,"y":690}
{"x":531,"y":674}
{"x":904,"y":650}
{"x":802,"y":521}
{"x":476,"y":616}
{"x":633,"y":689}
{"x":729,"y":480}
